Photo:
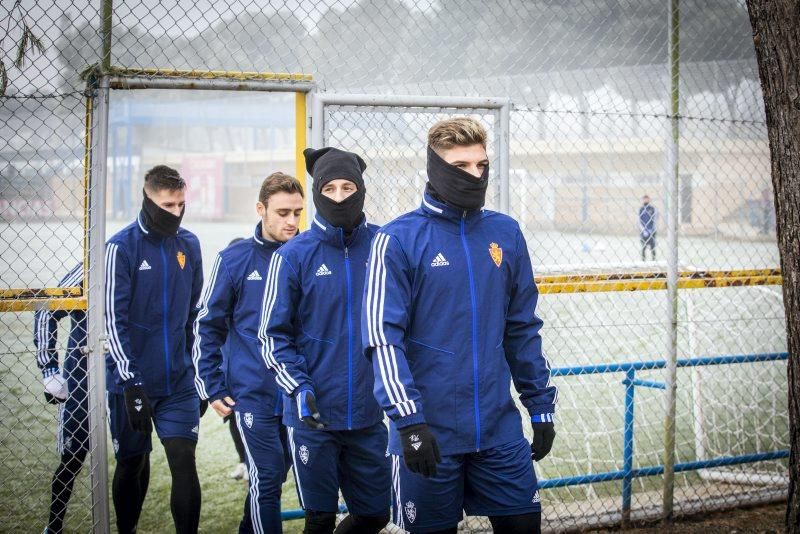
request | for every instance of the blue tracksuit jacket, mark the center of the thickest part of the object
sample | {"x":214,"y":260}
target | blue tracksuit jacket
{"x":45,"y":336}
{"x":647,"y":220}
{"x":230,"y":312}
{"x":152,"y":286}
{"x":311,"y":324}
{"x":449,"y":320}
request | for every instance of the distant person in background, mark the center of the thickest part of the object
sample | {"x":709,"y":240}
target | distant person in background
{"x":647,"y":227}
{"x":766,"y":211}
{"x":68,"y":387}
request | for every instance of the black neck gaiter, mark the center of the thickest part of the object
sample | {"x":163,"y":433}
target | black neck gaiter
{"x":346,"y":214}
{"x":455,"y":186}
{"x":159,"y":220}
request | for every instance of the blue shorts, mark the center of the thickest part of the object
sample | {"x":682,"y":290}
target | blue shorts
{"x":175,"y":416}
{"x":495,"y":482}
{"x":354,"y":460}
{"x":268,"y":462}
{"x":73,"y":426}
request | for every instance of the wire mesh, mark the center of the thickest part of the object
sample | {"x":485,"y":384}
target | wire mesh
{"x":590,"y":131}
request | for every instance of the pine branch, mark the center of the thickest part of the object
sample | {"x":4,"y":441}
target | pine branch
{"x":3,"y":79}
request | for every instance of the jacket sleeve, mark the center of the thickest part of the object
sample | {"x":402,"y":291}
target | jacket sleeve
{"x":118,"y":299}
{"x":45,"y":327}
{"x":45,"y":337}
{"x":194,"y":301}
{"x":276,"y":329}
{"x":387,"y":300}
{"x":211,"y":331}
{"x":529,"y":366}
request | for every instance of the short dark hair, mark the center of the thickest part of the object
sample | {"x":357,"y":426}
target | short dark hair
{"x":162,"y":177}
{"x":278,"y":182}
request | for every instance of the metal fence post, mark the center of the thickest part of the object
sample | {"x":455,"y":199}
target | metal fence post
{"x":627,"y":447}
{"x":504,"y":157}
{"x":96,"y":311}
{"x":672,"y":191}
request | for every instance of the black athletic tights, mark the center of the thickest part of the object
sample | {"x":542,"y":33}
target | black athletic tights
{"x":61,"y":488}
{"x":132,"y":477}
{"x":237,"y":438}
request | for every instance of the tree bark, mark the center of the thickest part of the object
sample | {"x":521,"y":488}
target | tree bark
{"x":776,"y":35}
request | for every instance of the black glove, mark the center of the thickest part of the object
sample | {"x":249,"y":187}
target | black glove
{"x":203,"y":407}
{"x":420,"y":450}
{"x":51,"y":399}
{"x":307,"y":410}
{"x":543,"y":436}
{"x":140,"y":413}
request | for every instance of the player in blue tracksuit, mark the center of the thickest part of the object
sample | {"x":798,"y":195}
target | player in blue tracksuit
{"x":311,"y":337}
{"x":154,"y":276}
{"x":68,"y":387}
{"x":449,"y":322}
{"x":647,"y":227}
{"x":228,"y":321}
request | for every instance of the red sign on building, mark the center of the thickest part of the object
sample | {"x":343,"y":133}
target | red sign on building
{"x":203,"y":175}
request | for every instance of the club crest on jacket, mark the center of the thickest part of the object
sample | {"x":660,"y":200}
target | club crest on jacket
{"x":411,"y":511}
{"x":496,"y":253}
{"x":181,"y":259}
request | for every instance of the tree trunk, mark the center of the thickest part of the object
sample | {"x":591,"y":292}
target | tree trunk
{"x":776,"y":34}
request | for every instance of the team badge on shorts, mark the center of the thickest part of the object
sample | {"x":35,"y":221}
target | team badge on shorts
{"x":248,"y":419}
{"x":496,"y":253}
{"x":303,"y":454}
{"x":181,"y":259}
{"x":411,"y":511}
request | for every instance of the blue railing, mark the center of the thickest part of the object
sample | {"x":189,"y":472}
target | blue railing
{"x":628,"y":472}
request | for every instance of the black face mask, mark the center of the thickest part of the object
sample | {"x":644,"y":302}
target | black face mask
{"x":159,"y":220}
{"x":455,"y":186}
{"x":346,"y":214}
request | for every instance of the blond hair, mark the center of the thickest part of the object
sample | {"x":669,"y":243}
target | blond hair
{"x":460,"y":131}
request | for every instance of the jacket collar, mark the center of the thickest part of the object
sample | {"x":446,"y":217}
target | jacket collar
{"x":437,"y":208}
{"x":142,"y":227}
{"x":259,"y":240}
{"x":332,"y":234}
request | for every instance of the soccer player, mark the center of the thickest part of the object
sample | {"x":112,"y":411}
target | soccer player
{"x":310,"y":336}
{"x":647,"y":227}
{"x":449,"y":322}
{"x":68,"y":388}
{"x":228,"y":321}
{"x":154,"y":276}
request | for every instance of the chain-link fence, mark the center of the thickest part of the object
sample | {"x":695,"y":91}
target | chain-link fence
{"x":595,"y":121}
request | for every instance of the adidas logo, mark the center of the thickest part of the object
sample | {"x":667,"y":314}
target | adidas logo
{"x":323,"y":270}
{"x":439,"y":261}
{"x":254,"y":276}
{"x":145,"y":266}
{"x":138,"y":402}
{"x":196,"y":429}
{"x":415,"y":441}
{"x":536,"y":497}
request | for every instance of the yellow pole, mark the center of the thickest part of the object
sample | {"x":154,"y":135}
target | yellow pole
{"x":87,"y":162}
{"x":299,"y":146}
